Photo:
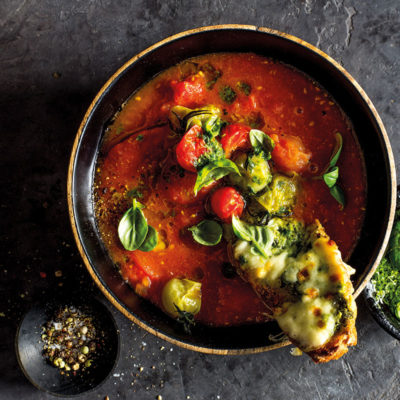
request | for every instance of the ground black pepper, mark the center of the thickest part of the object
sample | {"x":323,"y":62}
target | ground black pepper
{"x":70,"y":340}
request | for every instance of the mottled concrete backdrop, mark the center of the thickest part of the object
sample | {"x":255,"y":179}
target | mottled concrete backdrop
{"x":54,"y":56}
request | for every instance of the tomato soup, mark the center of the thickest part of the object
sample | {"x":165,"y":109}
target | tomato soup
{"x":139,"y":160}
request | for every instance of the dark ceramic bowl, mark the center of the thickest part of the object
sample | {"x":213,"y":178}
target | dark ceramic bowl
{"x":380,"y":311}
{"x":43,"y":375}
{"x":227,"y":38}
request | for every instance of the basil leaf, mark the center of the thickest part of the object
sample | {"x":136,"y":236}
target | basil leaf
{"x":150,"y":241}
{"x":207,"y":232}
{"x":213,"y":125}
{"x":260,"y":236}
{"x":337,"y":150}
{"x":338,"y":195}
{"x":132,"y":228}
{"x":260,"y":141}
{"x":331,"y":177}
{"x":213,"y":171}
{"x":331,"y":174}
{"x":256,"y":138}
{"x":241,"y":229}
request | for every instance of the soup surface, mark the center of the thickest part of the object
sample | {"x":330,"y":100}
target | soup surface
{"x":138,"y":160}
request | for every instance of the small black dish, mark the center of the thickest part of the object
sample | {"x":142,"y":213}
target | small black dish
{"x":44,"y":376}
{"x":380,"y":311}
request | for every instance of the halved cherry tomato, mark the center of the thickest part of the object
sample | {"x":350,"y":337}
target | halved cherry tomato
{"x":290,"y":154}
{"x":190,"y":148}
{"x":190,"y":92}
{"x":226,"y":202}
{"x":234,"y":137}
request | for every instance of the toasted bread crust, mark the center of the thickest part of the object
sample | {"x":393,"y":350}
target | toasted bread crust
{"x":338,"y":345}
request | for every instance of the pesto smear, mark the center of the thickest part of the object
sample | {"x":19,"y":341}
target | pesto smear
{"x":387,"y":276}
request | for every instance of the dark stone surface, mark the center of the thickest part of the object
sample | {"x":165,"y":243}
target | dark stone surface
{"x":54,"y":57}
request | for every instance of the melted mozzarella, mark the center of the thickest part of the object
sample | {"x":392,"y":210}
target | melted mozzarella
{"x":331,"y":255}
{"x":312,"y":274}
{"x":248,"y":258}
{"x":268,"y":271}
{"x":309,"y":322}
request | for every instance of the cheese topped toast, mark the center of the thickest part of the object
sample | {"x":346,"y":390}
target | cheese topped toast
{"x":299,"y":274}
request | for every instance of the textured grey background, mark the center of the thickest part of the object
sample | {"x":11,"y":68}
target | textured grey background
{"x":54,"y":57}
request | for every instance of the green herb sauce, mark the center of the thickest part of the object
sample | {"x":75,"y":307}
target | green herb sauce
{"x":387,"y":276}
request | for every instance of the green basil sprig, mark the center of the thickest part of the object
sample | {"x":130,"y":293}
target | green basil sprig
{"x":259,"y":236}
{"x":331,"y":174}
{"x":133,"y":230}
{"x":213,"y":125}
{"x":261,"y":142}
{"x":213,"y":171}
{"x":331,"y":177}
{"x":207,"y":232}
{"x":337,"y":193}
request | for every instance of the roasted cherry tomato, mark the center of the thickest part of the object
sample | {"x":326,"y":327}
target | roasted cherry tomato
{"x":182,"y":293}
{"x":190,"y":148}
{"x":234,"y":137}
{"x":290,"y":154}
{"x":190,"y":92}
{"x":226,"y":202}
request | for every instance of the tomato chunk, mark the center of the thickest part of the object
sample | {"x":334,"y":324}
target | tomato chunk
{"x":180,"y":189}
{"x":290,"y":154}
{"x":190,"y":148}
{"x":234,"y":137}
{"x":190,"y":92}
{"x":226,"y":202}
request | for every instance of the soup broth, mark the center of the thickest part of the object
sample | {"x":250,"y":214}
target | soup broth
{"x":138,"y":160}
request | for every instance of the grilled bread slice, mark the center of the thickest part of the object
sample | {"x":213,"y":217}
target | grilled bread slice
{"x":299,"y":274}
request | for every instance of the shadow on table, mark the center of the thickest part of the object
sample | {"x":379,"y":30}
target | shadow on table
{"x":38,"y":251}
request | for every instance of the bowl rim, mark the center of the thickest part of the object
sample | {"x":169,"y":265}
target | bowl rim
{"x":114,"y":77}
